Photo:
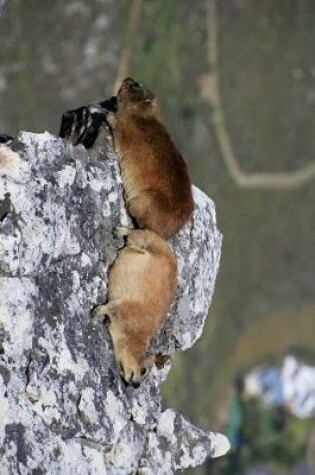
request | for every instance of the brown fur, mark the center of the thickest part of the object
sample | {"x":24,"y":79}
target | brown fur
{"x":154,"y":174}
{"x":142,"y":284}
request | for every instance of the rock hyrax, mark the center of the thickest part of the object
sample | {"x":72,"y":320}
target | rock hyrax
{"x":142,"y":285}
{"x":154,"y":174}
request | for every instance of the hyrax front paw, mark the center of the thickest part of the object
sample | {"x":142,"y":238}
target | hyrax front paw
{"x":111,"y":309}
{"x":99,"y":311}
{"x":111,"y":119}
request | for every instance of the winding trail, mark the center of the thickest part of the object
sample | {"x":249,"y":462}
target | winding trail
{"x":211,"y":92}
{"x":209,"y":84}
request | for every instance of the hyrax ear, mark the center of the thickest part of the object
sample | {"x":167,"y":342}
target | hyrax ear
{"x":155,"y":107}
{"x":154,"y":103}
{"x":152,"y":100}
{"x":161,"y":360}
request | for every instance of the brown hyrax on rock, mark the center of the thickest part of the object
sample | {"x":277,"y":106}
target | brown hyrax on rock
{"x":141,"y":288}
{"x":154,"y":174}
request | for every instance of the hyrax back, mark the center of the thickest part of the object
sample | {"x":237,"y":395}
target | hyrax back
{"x":142,"y":285}
{"x":154,"y":174}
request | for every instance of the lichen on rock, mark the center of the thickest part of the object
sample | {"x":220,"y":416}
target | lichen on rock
{"x":63,"y":407}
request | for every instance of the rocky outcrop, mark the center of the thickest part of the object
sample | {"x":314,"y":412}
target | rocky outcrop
{"x":63,"y":407}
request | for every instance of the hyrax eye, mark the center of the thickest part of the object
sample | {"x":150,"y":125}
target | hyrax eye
{"x":136,"y":87}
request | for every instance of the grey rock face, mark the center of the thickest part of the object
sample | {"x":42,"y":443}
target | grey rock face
{"x":63,"y":407}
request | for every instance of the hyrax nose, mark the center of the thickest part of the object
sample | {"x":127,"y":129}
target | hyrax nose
{"x":133,"y":381}
{"x":130,"y":82}
{"x":129,"y":380}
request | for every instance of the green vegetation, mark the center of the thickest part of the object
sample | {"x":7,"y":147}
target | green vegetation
{"x":268,"y":442}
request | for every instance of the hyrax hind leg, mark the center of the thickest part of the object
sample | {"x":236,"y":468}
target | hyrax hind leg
{"x":111,"y":309}
{"x":152,"y":210}
{"x":135,"y":239}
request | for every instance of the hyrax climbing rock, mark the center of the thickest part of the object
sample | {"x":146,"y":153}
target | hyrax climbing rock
{"x":142,"y":285}
{"x":154,"y":174}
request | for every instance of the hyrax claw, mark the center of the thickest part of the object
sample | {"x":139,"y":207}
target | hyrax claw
{"x":98,"y":311}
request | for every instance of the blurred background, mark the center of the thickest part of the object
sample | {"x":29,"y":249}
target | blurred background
{"x":236,"y":84}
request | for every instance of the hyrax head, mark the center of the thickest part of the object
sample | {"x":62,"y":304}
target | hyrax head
{"x":134,"y":95}
{"x":133,"y":367}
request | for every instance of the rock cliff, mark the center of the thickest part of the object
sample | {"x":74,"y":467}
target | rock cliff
{"x":63,"y":407}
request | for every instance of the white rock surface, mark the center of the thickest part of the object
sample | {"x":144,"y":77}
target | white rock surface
{"x":63,"y":408}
